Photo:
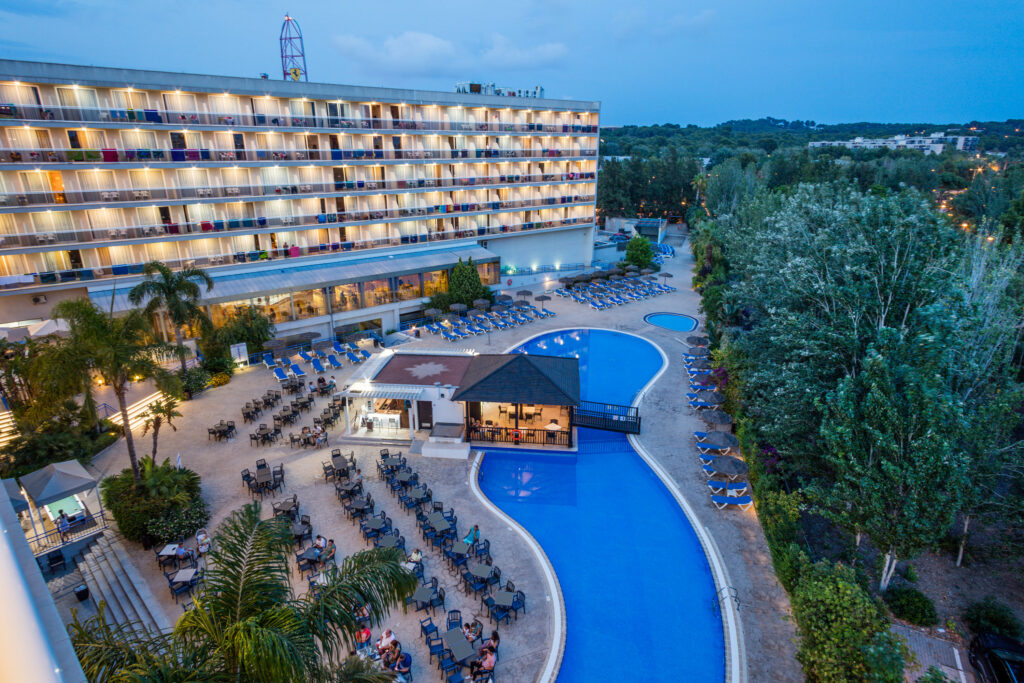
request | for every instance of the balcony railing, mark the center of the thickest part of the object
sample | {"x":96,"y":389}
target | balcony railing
{"x":273,"y":190}
{"x":128,"y":269}
{"x":222,"y":156}
{"x":297,"y":222}
{"x":247,"y":119}
{"x":83,"y":527}
{"x":523,"y":436}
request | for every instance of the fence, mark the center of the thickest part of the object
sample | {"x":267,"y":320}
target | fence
{"x":90,"y":525}
{"x":539,"y":437}
{"x":607,"y":416}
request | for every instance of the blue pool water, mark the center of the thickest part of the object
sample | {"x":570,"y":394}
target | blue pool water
{"x":672,"y":321}
{"x":639,"y":597}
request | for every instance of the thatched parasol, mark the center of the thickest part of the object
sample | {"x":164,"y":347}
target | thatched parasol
{"x":482,"y":304}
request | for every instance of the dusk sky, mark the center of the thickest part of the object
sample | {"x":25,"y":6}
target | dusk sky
{"x":647,"y":61}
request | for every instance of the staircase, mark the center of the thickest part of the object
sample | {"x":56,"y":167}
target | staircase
{"x":7,"y":430}
{"x":112,"y":577}
{"x":137,"y":411}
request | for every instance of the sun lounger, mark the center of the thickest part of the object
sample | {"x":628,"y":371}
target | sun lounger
{"x":268,"y":360}
{"x":448,"y":335}
{"x":722,"y":502}
{"x":318,"y":367}
{"x":297,"y":371}
{"x":364,"y":353}
{"x":305,"y":356}
{"x":729,"y":488}
{"x":353,"y":358}
{"x":333,"y":360}
{"x":280,"y":374}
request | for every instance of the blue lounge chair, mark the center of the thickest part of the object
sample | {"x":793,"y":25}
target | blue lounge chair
{"x":722,"y":502}
{"x":305,"y":356}
{"x":318,"y":367}
{"x":729,"y":488}
{"x":365,"y":354}
{"x":268,"y":360}
{"x":279,"y":373}
{"x":353,"y":358}
{"x":297,"y":371}
{"x":338,"y":348}
{"x":333,"y":360}
{"x":448,"y":335}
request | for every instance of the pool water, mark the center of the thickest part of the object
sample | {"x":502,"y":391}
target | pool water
{"x":672,"y":321}
{"x":639,"y":596}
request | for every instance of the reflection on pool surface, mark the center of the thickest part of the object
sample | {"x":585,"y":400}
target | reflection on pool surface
{"x":672,"y":321}
{"x":639,"y":597}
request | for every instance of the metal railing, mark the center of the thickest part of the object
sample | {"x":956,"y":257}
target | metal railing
{"x":215,"y":156}
{"x":339,"y":188}
{"x":46,"y":541}
{"x":607,"y":416}
{"x":297,"y":222}
{"x":521,"y":436}
{"x":34,"y":112}
{"x":122,"y":270}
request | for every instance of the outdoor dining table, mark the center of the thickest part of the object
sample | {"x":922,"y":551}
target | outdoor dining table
{"x":169,"y":550}
{"x":404,"y":477}
{"x":423,"y":594}
{"x":347,"y":486}
{"x":263,"y":476}
{"x":309,"y":553}
{"x":183,"y":575}
{"x":340,"y":462}
{"x":299,"y":529}
{"x":418,"y":493}
{"x":375,"y":523}
{"x":480,"y":570}
{"x":461,"y":648}
{"x":460,"y":548}
{"x":437,"y":520}
{"x":358,"y":503}
{"x":263,"y":433}
{"x":503,"y":598}
{"x":286,"y":505}
{"x":387,"y":541}
{"x":391,"y":461}
{"x":729,"y":466}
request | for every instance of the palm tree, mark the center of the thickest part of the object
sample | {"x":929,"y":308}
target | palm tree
{"x":120,"y":350}
{"x":177,"y":292}
{"x":160,"y":413}
{"x":247,"y":625}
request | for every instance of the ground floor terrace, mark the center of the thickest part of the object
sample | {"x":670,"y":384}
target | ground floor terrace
{"x":533,"y":644}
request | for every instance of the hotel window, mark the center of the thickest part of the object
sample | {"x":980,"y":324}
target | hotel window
{"x":77,"y":97}
{"x":435,"y":282}
{"x":488,"y":273}
{"x":277,"y":307}
{"x":345,"y":297}
{"x":219,"y":313}
{"x":309,"y":303}
{"x":130,"y":100}
{"x":409,"y":287}
{"x":377,"y":292}
{"x":19,"y":94}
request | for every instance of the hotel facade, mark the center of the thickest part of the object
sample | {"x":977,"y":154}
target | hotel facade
{"x":330,"y":208}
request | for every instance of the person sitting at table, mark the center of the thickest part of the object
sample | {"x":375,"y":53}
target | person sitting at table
{"x":358,"y":479}
{"x":471,"y":630}
{"x":473,"y":536}
{"x":329,"y":550}
{"x":491,"y":642}
{"x":183,"y":553}
{"x":391,"y":654}
{"x":320,"y":543}
{"x":321,"y":381}
{"x":312,"y":387}
{"x":363,"y":637}
{"x":362,"y":613}
{"x":484,"y":664}
{"x":416,"y":556}
{"x":385,"y":640}
{"x":403,"y":662}
{"x":333,"y":383}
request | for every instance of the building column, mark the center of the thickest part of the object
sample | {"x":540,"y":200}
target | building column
{"x":348,"y":422}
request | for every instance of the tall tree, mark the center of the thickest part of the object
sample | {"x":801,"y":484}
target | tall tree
{"x":121,"y":350}
{"x":176,"y":292}
{"x":246,"y":624}
{"x":160,"y":413}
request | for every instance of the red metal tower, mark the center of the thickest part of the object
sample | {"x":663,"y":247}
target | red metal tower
{"x":293,"y":54}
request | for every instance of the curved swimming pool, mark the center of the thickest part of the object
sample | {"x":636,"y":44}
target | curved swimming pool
{"x":639,"y":595}
{"x":672,"y":321}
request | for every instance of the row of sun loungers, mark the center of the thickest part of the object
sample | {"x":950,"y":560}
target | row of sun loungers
{"x":481,"y":324}
{"x":320,"y":362}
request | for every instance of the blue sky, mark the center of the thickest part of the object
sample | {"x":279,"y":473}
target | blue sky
{"x":648,"y":61}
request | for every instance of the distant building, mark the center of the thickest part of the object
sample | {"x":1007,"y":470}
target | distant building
{"x":934,"y":143}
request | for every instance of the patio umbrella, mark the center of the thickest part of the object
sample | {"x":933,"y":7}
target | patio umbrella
{"x":647,"y":271}
{"x":665,"y":275}
{"x":482,"y":304}
{"x":712,"y":397}
{"x":499,"y":309}
{"x":599,"y":280}
{"x":716,"y":417}
{"x":697,"y":340}
{"x":542,"y":298}
{"x":697,"y":351}
{"x":473,"y":312}
{"x":632,"y":267}
{"x":458,"y":307}
{"x":307,"y":336}
{"x":723,"y":439}
{"x":524,"y":293}
{"x":504,"y":297}
{"x":522,"y":302}
{"x":274,"y":344}
{"x":14,"y":334}
{"x":650,"y":278}
{"x":701,"y":364}
{"x":615,"y":277}
{"x":432,"y":312}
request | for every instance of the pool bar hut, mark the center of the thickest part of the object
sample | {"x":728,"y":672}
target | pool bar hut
{"x":60,"y":487}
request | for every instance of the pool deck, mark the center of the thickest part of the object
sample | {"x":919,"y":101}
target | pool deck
{"x":765,"y":633}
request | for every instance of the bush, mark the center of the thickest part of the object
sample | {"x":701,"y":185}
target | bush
{"x":220,"y":379}
{"x":219,"y":366}
{"x":992,"y":616}
{"x":178,"y":523}
{"x":164,"y":503}
{"x":911,"y":605}
{"x":54,"y":441}
{"x":194,"y":380}
{"x":639,"y":252}
{"x":933,"y":675}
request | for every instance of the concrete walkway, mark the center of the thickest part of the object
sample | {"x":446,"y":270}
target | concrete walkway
{"x":763,"y":606}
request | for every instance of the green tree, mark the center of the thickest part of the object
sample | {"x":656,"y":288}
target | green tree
{"x":120,"y":350}
{"x":176,"y":292}
{"x":246,"y":624}
{"x":639,"y":252}
{"x":464,"y":287}
{"x":162,"y":412}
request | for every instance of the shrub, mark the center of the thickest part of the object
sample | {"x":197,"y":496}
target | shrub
{"x":54,"y":441}
{"x":639,"y":252}
{"x":911,"y":605}
{"x":166,"y":500}
{"x":220,"y":379}
{"x":933,"y":675}
{"x":992,"y":616}
{"x":910,"y":574}
{"x":178,"y":523}
{"x":194,"y":380}
{"x":219,"y":365}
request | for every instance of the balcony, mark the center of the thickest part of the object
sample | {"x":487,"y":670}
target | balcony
{"x":137,"y":117}
{"x":264,"y":224}
{"x":259,"y":256}
{"x":241,"y":192}
{"x":220,"y":156}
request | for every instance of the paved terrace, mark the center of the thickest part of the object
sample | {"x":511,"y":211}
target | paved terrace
{"x":767,"y":634}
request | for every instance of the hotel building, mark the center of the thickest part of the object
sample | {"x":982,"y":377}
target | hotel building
{"x":331,"y":208}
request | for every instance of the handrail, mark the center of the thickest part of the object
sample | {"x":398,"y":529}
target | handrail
{"x":157,"y":116}
{"x":45,"y":542}
{"x":214,"y":156}
{"x":223,"y":259}
{"x":69,"y":197}
{"x":284,"y":223}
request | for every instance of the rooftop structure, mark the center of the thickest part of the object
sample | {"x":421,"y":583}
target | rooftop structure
{"x":330,"y":208}
{"x":933,"y":143}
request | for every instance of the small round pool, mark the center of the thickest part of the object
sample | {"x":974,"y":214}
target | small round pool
{"x":672,"y":321}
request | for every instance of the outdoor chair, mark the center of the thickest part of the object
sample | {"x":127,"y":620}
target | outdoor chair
{"x":454,"y":619}
{"x":437,"y":600}
{"x":519,"y":603}
{"x":427,"y":627}
{"x":742,"y":502}
{"x":728,"y":488}
{"x":55,"y":561}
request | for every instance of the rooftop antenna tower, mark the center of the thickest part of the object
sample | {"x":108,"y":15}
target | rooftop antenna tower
{"x":293,"y":54}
